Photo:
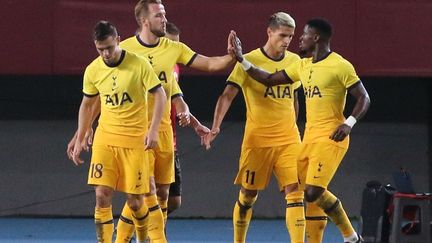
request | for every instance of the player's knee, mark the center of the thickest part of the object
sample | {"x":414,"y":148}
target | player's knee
{"x":103,"y":197}
{"x":162,"y":191}
{"x":291,"y":188}
{"x":249,"y":193}
{"x":174,"y":203}
{"x":312,"y":193}
{"x":135,"y":202}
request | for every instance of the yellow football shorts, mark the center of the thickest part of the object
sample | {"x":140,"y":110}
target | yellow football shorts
{"x":257,"y":164}
{"x":123,"y":169}
{"x":318,"y":163}
{"x":162,"y":159}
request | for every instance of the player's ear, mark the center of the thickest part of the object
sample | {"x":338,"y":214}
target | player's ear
{"x":316,"y":37}
{"x":118,"y":39}
{"x":269,"y":31}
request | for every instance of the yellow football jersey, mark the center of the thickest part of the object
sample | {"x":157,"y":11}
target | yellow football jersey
{"x":123,"y":95}
{"x":325,"y":85}
{"x":270,"y":114}
{"x":162,"y":56}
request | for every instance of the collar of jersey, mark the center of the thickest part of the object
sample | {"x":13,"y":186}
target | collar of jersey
{"x":123,"y":54}
{"x":322,"y":59}
{"x":146,"y":45}
{"x":273,"y":59}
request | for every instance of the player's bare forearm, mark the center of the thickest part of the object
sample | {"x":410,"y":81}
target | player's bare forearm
{"x":223,"y":104}
{"x":85,"y":117}
{"x":194,"y":122}
{"x":213,"y":64}
{"x":266,"y":78}
{"x":96,"y":109}
{"x":362,"y":101}
{"x":182,"y":109}
{"x":296,"y":104}
{"x":158,"y":109}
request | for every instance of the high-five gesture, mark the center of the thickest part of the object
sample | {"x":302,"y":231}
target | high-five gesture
{"x":236,"y":46}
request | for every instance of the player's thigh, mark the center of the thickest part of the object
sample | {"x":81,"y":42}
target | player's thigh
{"x":175,"y":187}
{"x":324,"y":160}
{"x":302,"y":165}
{"x":285,"y":167}
{"x":102,"y":170}
{"x":164,"y":159}
{"x":255,"y":168}
{"x":133,"y":169}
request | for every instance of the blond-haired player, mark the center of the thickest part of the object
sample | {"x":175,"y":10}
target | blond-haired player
{"x":119,"y":81}
{"x":271,"y":141}
{"x":326,"y":79}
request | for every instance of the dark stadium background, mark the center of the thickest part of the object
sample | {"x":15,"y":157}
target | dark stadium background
{"x":46,"y":45}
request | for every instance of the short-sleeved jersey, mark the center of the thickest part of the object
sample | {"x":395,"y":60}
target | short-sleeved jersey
{"x":162,"y":56}
{"x":270,"y":113}
{"x":123,"y":92}
{"x":325,"y":85}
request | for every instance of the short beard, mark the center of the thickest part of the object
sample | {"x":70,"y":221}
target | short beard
{"x":158,"y":33}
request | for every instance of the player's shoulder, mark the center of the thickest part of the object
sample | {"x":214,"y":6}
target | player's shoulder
{"x":339,"y":60}
{"x":254,"y":54}
{"x":164,"y":42}
{"x":291,"y":56}
{"x":129,"y":41}
{"x":94,"y":64}
{"x":136,"y":58}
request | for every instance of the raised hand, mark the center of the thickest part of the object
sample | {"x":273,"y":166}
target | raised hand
{"x":236,"y":45}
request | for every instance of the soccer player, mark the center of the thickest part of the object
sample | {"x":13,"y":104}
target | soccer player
{"x":326,"y":79}
{"x":163,"y":54}
{"x":174,"y":196}
{"x":119,"y":81}
{"x":271,"y":141}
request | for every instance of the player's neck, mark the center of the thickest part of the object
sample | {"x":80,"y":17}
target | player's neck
{"x":148,"y":38}
{"x":321,"y":52}
{"x":273,"y":53}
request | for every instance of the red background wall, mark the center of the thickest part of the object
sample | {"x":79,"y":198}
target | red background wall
{"x":381,"y":38}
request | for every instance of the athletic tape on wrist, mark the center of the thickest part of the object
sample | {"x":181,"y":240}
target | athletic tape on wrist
{"x":350,"y":121}
{"x":246,"y":64}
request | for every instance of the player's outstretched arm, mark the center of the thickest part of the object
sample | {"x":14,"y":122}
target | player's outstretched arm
{"x":158,"y":109}
{"x":84,"y":122}
{"x":362,"y":105}
{"x":212,"y":64}
{"x":216,"y":63}
{"x":222,"y":106}
{"x":199,"y":128}
{"x":262,"y":76}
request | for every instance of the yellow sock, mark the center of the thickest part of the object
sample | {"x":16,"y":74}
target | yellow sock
{"x":242,"y":216}
{"x":104,"y":224}
{"x":125,"y":226}
{"x":141,"y":221}
{"x":164,"y":207}
{"x":316,"y":221}
{"x":295,"y":216}
{"x":156,"y":224}
{"x":333,"y":208}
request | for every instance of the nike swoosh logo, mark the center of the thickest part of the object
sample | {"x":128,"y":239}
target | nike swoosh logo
{"x":137,"y":186}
